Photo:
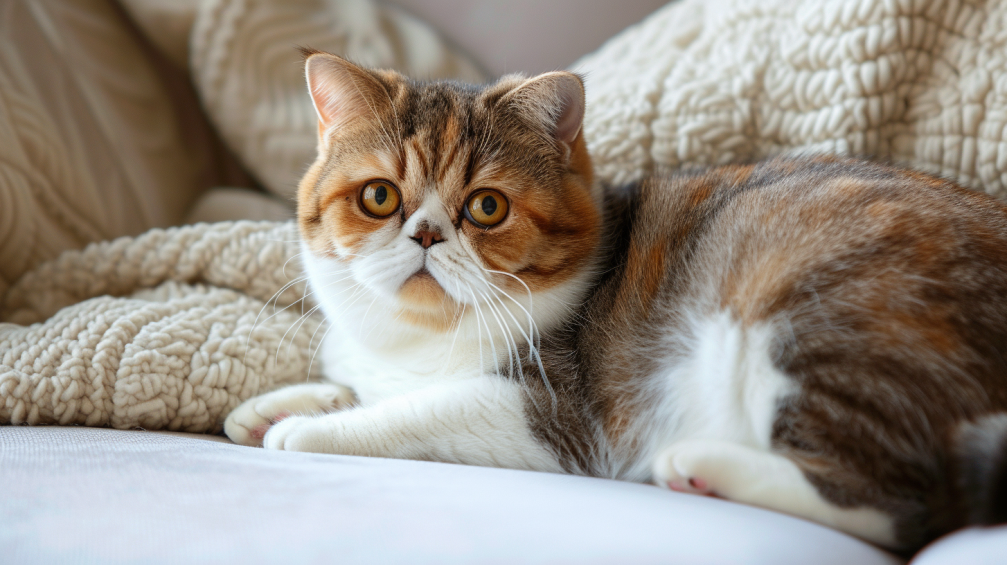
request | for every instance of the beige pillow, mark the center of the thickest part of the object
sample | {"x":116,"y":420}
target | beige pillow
{"x":712,"y":81}
{"x":250,"y":75}
{"x":90,"y":142}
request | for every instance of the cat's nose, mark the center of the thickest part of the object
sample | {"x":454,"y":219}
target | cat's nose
{"x":426,"y":238}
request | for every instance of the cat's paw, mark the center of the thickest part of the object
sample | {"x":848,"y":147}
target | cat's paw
{"x":696,"y":467}
{"x":249,"y":422}
{"x":301,"y":433}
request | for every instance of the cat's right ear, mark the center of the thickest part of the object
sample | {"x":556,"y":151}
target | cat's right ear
{"x":341,"y":91}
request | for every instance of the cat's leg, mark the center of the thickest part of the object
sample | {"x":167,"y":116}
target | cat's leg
{"x":248,"y":423}
{"x":753,"y":476}
{"x":478,"y":421}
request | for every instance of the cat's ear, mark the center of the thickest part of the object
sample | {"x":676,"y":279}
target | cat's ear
{"x":555,"y":101}
{"x":340,"y":90}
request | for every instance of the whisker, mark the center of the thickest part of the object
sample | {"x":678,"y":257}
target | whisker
{"x":273,"y":298}
{"x":344,"y":307}
{"x":302,"y":319}
{"x":458,"y":320}
{"x":299,"y":323}
{"x":311,"y":361}
{"x":534,"y":347}
{"x":508,"y":337}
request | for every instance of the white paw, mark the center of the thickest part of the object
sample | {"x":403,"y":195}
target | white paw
{"x":301,"y":433}
{"x":696,"y":467}
{"x":248,"y":423}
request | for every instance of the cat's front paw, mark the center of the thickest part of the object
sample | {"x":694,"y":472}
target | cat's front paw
{"x":693,"y":466}
{"x":249,"y":422}
{"x":300,"y":433}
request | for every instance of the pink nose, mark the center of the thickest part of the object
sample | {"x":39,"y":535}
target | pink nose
{"x":427,"y":238}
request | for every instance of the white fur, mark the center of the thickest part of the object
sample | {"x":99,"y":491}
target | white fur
{"x":478,"y":421}
{"x":760,"y":478}
{"x":245,"y":424}
{"x":718,"y":382}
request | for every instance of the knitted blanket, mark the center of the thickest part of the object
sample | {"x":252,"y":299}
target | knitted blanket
{"x":172,"y":329}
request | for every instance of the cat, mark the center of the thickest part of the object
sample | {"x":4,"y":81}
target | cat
{"x":820,"y":336}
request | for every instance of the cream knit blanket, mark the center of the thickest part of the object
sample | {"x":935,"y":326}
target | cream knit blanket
{"x":701,"y":81}
{"x":169,"y":330}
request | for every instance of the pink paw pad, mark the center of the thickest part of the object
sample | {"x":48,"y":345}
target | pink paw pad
{"x":677,"y":485}
{"x":698,"y":484}
{"x":693,"y":485}
{"x":259,"y":432}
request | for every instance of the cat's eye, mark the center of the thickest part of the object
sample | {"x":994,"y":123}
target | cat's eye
{"x":486,"y":208}
{"x":380,"y":198}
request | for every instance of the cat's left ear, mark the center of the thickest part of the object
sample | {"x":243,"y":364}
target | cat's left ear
{"x":555,"y":101}
{"x":341,"y":91}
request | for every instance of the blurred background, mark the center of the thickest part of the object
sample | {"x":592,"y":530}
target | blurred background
{"x":529,"y":35}
{"x":117,"y":116}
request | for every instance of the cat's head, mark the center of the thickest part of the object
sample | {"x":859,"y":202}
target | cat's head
{"x":439,"y":195}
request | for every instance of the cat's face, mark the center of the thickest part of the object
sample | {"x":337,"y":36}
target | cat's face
{"x":437,"y":196}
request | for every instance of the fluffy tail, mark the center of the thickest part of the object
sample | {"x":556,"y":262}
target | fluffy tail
{"x":982,"y":456}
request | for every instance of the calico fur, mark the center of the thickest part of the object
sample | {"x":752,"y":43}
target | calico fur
{"x":820,"y":336}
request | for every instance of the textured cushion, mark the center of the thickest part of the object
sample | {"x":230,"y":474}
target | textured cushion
{"x":712,"y":81}
{"x":90,"y":142}
{"x":86,"y":495}
{"x":251,"y":77}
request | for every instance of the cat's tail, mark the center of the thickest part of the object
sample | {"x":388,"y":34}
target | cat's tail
{"x":982,"y":459}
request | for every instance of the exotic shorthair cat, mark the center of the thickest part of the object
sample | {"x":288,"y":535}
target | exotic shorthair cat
{"x":824,"y":337}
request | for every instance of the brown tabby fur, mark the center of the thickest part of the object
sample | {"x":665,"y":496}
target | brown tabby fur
{"x":887,"y":288}
{"x":890,"y":287}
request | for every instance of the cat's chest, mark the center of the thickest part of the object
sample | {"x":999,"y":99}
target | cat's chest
{"x":382,"y":373}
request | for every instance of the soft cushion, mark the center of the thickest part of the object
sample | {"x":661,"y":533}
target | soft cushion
{"x":88,"y":495}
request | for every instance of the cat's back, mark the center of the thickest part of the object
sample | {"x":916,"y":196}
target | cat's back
{"x":900,"y":272}
{"x":875,"y":289}
{"x":851,"y":314}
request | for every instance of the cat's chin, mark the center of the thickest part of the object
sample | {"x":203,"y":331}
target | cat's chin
{"x":424,"y":302}
{"x":422,"y":290}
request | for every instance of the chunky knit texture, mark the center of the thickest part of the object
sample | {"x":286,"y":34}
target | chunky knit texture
{"x":170,"y":329}
{"x":922,"y":82}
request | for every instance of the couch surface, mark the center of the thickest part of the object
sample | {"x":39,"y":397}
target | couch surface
{"x":95,"y":495}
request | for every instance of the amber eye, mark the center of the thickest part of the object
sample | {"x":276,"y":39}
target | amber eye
{"x":486,"y":208}
{"x":379,"y":198}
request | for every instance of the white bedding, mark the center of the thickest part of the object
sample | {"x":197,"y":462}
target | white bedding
{"x":87,"y":495}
